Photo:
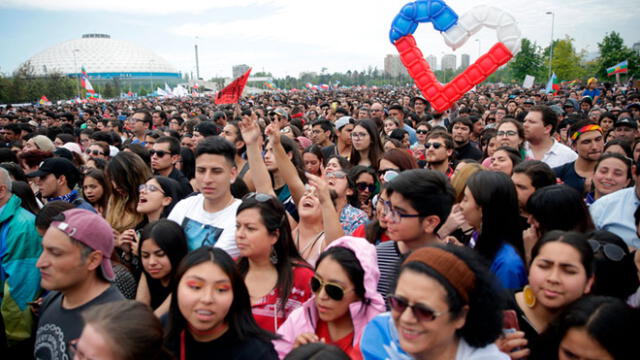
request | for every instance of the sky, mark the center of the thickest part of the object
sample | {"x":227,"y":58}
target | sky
{"x":286,"y":37}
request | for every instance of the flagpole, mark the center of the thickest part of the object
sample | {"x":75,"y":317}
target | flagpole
{"x":618,"y":78}
{"x":75,"y":68}
{"x":553,"y":17}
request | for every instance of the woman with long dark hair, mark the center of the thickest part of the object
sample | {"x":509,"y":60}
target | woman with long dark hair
{"x":490,"y":206}
{"x":366,"y":145}
{"x":210,"y":313}
{"x":96,"y":190}
{"x":277,"y":278}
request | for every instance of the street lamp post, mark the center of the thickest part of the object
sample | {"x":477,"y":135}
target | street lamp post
{"x":150,"y":77}
{"x":478,"y":41}
{"x":553,"y":18}
{"x":75,"y":68}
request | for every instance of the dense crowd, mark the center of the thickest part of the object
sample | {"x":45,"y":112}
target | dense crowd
{"x":347,"y":224}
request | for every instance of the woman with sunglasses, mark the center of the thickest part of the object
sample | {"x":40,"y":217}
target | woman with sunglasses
{"x":561,"y":272}
{"x":210,"y":313}
{"x":445,"y":305}
{"x":162,"y":246}
{"x":612,"y":260}
{"x":367,"y":147}
{"x":366,"y":185}
{"x":394,"y":160}
{"x":344,"y":301}
{"x":275,"y":275}
{"x":96,"y":190}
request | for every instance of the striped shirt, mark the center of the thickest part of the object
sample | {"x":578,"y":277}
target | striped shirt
{"x":389,"y":260}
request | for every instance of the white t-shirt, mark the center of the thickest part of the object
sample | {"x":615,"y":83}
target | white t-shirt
{"x":203,"y":228}
{"x":558,"y":155}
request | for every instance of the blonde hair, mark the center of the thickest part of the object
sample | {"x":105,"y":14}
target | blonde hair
{"x":459,"y":180}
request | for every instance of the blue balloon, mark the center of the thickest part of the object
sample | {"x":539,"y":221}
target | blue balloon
{"x":434,"y":11}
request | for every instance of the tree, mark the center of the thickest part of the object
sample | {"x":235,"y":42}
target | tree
{"x":108,"y":91}
{"x":566,"y":62}
{"x":612,"y":52}
{"x":528,"y":61}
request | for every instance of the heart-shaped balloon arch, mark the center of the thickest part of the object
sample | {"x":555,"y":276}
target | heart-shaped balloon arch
{"x":456,"y":31}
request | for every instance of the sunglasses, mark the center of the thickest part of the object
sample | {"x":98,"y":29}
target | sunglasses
{"x":611,"y":251}
{"x":420,"y":311}
{"x":422,"y":132}
{"x":435,"y":145}
{"x":333,"y":290}
{"x":383,"y":172}
{"x":160,"y":153}
{"x":259,"y":197}
{"x":94,"y":152}
{"x":336,"y":175}
{"x":149,"y":188}
{"x":362,"y":186}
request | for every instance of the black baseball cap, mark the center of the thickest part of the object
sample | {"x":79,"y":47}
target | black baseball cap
{"x":57,"y":166}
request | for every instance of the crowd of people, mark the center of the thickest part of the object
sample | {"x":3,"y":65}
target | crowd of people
{"x":346,"y":224}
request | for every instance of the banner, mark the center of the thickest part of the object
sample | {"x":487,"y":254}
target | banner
{"x":621,"y":68}
{"x":553,"y":85}
{"x":528,"y":82}
{"x":232,"y":92}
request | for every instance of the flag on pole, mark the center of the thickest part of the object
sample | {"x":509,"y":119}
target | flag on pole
{"x":232,"y":92}
{"x":84,"y":80}
{"x":43,"y":100}
{"x":621,"y":68}
{"x":553,"y":85}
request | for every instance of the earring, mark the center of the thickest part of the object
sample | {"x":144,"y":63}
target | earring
{"x":274,"y":256}
{"x":529,"y":296}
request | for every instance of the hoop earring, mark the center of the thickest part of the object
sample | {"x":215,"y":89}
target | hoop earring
{"x":529,"y":296}
{"x":274,"y":256}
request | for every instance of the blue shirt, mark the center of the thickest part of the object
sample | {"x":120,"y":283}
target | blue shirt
{"x":412,"y":133}
{"x":509,"y":268}
{"x":614,"y":213}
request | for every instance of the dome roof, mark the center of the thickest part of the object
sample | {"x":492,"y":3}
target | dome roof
{"x":102,"y":57}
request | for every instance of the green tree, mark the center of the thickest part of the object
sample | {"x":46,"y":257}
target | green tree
{"x":108,"y":91}
{"x":566,"y":62}
{"x":612,"y":52}
{"x":528,"y":61}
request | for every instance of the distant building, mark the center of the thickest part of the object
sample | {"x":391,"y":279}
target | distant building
{"x":636,"y":48}
{"x":239,"y":70}
{"x":308,"y":74}
{"x":433,"y":62}
{"x":465,"y":61}
{"x":449,"y":62}
{"x":393,"y":66}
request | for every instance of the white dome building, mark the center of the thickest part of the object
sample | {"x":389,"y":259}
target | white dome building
{"x":103,"y":58}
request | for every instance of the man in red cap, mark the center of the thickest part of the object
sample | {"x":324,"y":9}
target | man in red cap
{"x":75,"y":267}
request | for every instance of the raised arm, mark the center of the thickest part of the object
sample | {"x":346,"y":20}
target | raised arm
{"x":330,"y":218}
{"x":287,"y":170}
{"x":253,"y":140}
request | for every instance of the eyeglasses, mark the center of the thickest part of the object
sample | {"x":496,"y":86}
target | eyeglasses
{"x":491,"y":119}
{"x":420,"y":311}
{"x":259,"y":197}
{"x":94,"y":152}
{"x":285,"y":130}
{"x":149,"y":188}
{"x":359,"y":135}
{"x":507,"y":133}
{"x":362,"y":186}
{"x":160,"y":153}
{"x":394,"y":215}
{"x":611,"y":251}
{"x":422,"y":132}
{"x":333,"y":290}
{"x":336,"y":175}
{"x":435,"y":145}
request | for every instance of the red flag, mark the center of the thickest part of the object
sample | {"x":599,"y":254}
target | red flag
{"x":231,"y":94}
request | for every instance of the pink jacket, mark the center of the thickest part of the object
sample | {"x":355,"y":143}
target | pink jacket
{"x":304,"y":318}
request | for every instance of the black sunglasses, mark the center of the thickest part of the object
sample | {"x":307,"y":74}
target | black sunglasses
{"x":94,"y":152}
{"x":611,"y":251}
{"x":420,"y":311}
{"x":362,"y":186}
{"x":422,"y":132}
{"x":160,"y":153}
{"x":334,"y":291}
{"x":434,"y":144}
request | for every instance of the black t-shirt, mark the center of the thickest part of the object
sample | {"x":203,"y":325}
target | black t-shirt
{"x":567,"y":173}
{"x":468,"y":151}
{"x":158,"y":292}
{"x":228,"y":346}
{"x":57,"y":326}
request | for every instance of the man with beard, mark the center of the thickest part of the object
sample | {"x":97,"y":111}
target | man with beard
{"x":588,"y":141}
{"x":439,"y":148}
{"x":461,"y":128}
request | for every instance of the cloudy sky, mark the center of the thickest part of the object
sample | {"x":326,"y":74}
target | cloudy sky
{"x":285,"y":37}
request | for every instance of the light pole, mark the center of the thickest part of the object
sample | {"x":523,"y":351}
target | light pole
{"x":75,"y":68}
{"x":553,"y":18}
{"x":150,"y":77}
{"x":197,"y":61}
{"x":478,"y":41}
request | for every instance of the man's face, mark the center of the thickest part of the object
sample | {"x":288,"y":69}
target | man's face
{"x":166,"y":161}
{"x":149,"y":141}
{"x":376,"y":111}
{"x":60,"y":263}
{"x":460,"y":133}
{"x":137,"y":123}
{"x":157,"y":120}
{"x":523,"y":188}
{"x":230,"y":133}
{"x":396,"y":114}
{"x":625,"y":133}
{"x":534,"y":127}
{"x":589,"y":145}
{"x":420,"y":106}
{"x":584,"y":106}
{"x":197,"y":137}
{"x":500,"y":114}
{"x":345,"y":134}
{"x":214,"y":176}
{"x":318,"y":135}
{"x":363,"y":114}
{"x":421,"y":133}
{"x":187,"y":142}
{"x":408,"y":228}
{"x":48,"y":185}
{"x":9,"y":135}
{"x":438,"y":155}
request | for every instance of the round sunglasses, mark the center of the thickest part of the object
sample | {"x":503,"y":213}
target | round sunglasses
{"x":420,"y":311}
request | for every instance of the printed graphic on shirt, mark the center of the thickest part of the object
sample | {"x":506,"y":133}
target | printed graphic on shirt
{"x":50,"y":343}
{"x":199,"y":234}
